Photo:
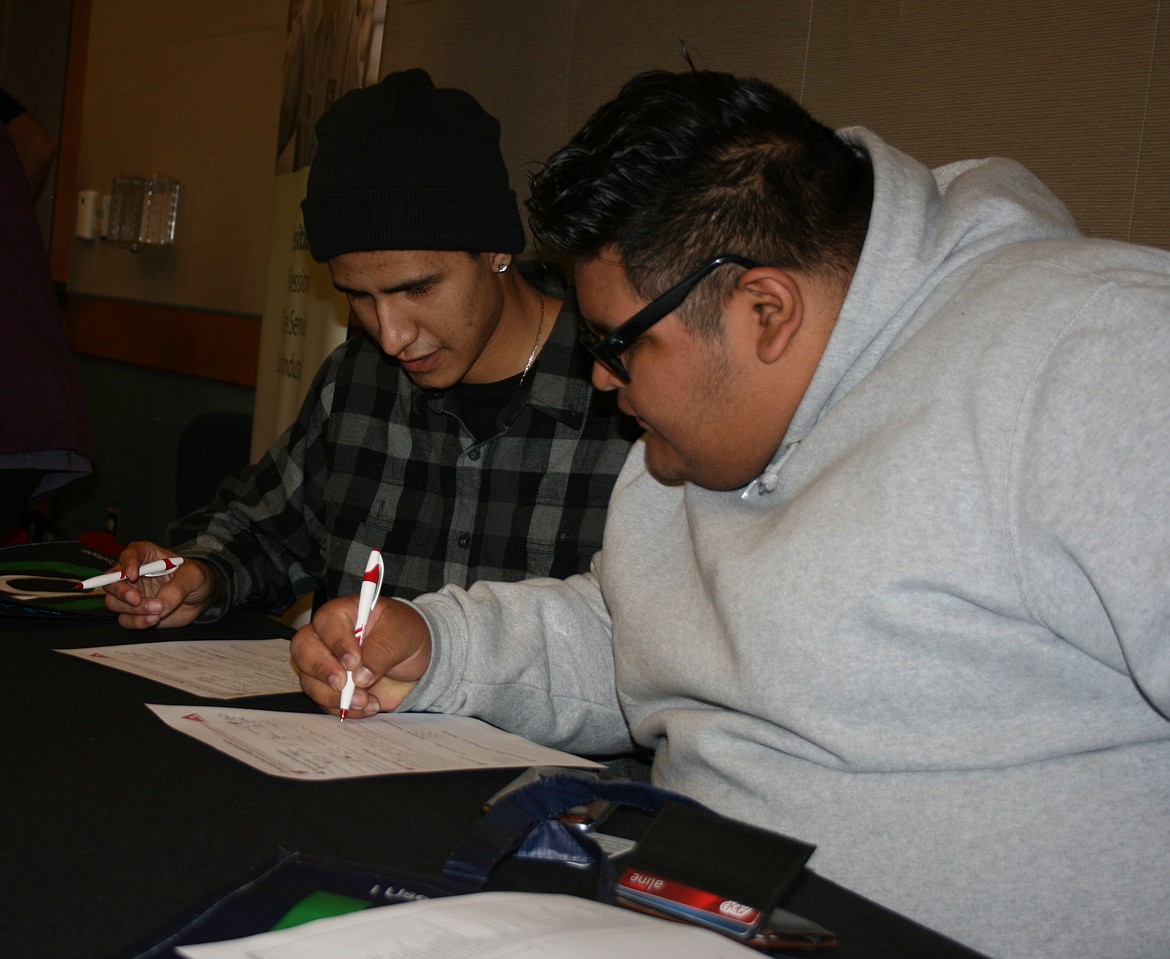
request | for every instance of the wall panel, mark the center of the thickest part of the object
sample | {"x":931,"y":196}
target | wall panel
{"x":191,"y":91}
{"x":514,"y":57}
{"x":615,"y":41}
{"x":1151,"y":201}
{"x":1056,"y":85}
{"x":1078,"y":92}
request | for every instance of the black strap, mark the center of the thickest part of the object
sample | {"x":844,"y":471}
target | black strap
{"x":504,"y":827}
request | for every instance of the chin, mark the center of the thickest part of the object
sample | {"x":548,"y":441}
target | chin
{"x":668,"y":468}
{"x":436,"y":379}
{"x":666,"y":479}
{"x":661,"y":461}
{"x":671,"y":470}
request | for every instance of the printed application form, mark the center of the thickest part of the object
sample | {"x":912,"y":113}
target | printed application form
{"x":484,"y":925}
{"x":315,"y":747}
{"x":219,"y":668}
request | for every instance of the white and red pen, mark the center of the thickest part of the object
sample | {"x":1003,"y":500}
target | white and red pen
{"x":160,"y":567}
{"x":371,"y":587}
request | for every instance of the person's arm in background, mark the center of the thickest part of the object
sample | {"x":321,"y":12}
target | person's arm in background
{"x":174,"y":600}
{"x":261,"y":539}
{"x":35,"y":146}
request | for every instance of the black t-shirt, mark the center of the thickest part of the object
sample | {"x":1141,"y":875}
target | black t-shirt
{"x":482,"y":406}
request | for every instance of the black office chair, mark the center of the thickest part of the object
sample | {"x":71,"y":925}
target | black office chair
{"x":212,"y":447}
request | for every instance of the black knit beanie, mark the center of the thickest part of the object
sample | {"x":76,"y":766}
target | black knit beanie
{"x":404,"y":166}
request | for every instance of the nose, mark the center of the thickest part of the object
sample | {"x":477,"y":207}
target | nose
{"x":604,"y":378}
{"x":395,"y":333}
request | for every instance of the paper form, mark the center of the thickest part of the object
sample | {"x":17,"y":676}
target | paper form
{"x":218,"y":668}
{"x":485,"y":925}
{"x":314,"y":746}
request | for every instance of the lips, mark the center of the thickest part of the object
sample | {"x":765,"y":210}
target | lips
{"x":420,"y":364}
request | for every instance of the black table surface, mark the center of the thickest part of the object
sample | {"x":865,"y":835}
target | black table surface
{"x":114,"y":825}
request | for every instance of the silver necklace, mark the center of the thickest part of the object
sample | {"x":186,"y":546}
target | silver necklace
{"x":535,"y":346}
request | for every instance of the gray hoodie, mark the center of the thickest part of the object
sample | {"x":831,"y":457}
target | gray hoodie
{"x":933,"y":638}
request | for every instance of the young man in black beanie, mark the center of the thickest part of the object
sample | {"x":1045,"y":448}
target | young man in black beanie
{"x":460,"y":435}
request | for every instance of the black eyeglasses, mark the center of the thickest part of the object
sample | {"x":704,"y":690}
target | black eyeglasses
{"x":607,"y":350}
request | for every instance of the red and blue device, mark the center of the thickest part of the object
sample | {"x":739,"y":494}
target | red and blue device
{"x":688,"y":903}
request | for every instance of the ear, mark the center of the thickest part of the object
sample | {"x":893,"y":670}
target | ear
{"x":777,"y":310}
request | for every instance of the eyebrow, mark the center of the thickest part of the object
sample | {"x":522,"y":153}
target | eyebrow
{"x":403,"y":287}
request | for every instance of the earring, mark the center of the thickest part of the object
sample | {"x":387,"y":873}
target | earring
{"x":502,"y":267}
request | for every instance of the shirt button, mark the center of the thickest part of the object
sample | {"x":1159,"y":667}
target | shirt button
{"x":473,"y":455}
{"x":464,"y":540}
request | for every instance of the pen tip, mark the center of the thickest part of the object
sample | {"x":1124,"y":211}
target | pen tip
{"x":343,"y":712}
{"x":78,"y":586}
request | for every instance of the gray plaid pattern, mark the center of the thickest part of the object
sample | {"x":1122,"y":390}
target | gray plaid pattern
{"x":373,"y":461}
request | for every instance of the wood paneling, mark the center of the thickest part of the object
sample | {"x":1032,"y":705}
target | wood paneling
{"x":218,"y":346}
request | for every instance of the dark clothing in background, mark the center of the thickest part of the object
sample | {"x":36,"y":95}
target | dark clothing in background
{"x":45,"y":438}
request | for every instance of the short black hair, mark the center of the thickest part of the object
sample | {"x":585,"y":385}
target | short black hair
{"x":681,"y":167}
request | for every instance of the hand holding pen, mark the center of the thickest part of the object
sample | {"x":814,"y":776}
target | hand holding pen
{"x":165,"y":590}
{"x":371,"y":588}
{"x":158,"y":568}
{"x":396,"y":653}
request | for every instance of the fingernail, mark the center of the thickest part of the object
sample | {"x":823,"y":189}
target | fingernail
{"x":363,"y":677}
{"x":336,"y":682}
{"x":349,"y":661}
{"x":372,"y":706}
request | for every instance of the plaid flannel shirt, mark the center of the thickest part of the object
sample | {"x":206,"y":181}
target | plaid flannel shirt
{"x":374,"y":461}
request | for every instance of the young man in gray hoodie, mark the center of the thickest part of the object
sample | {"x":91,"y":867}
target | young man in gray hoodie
{"x":888,"y":571}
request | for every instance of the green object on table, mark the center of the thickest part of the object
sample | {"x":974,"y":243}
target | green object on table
{"x":320,"y":905}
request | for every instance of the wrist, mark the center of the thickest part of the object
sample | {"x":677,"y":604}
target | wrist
{"x":217,"y":584}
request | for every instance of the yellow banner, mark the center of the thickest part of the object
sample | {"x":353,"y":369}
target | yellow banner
{"x":305,"y":318}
